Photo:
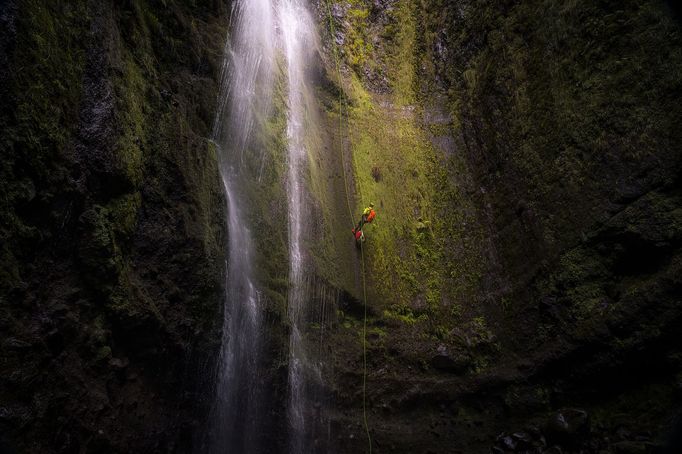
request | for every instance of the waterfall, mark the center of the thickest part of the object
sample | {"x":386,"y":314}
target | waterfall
{"x":260,"y":30}
{"x":244,"y":97}
{"x":297,"y":33}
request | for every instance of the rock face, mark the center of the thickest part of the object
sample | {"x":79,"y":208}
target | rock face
{"x":539,"y":140}
{"x":521,"y":281}
{"x":111,"y":224}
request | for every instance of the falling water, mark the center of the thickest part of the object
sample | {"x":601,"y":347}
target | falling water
{"x":244,"y":99}
{"x":297,"y":31}
{"x":261,"y":28}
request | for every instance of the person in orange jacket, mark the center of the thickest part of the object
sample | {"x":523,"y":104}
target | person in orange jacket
{"x":367,"y":216}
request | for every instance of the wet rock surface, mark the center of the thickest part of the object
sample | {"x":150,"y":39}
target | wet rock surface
{"x":568,"y":425}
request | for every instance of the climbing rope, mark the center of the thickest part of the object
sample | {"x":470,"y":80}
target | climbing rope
{"x":352,"y":220}
{"x":364,"y":350}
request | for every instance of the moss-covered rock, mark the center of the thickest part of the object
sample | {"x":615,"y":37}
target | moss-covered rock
{"x":523,"y":158}
{"x":112,"y":222}
{"x":524,"y":163}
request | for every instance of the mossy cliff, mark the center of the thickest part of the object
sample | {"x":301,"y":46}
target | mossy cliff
{"x":524,"y":160}
{"x":111,"y":223}
{"x":522,"y":276}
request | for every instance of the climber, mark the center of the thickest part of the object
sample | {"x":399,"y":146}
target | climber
{"x":359,"y":236}
{"x":367,"y":216}
{"x":370,"y":214}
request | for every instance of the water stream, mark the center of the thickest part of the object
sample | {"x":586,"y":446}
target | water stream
{"x":244,"y":98}
{"x":261,"y":30}
{"x":298,"y":38}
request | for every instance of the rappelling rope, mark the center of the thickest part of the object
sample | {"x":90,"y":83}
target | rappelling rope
{"x":364,"y":350}
{"x":352,"y":220}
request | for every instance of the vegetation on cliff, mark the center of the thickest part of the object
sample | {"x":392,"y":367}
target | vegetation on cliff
{"x":112,"y":223}
{"x":536,"y":142}
{"x":522,"y":276}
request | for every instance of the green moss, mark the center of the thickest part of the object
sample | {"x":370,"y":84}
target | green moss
{"x":441,"y":332}
{"x":404,"y":314}
{"x":376,"y":331}
{"x":42,"y":91}
{"x":402,"y":58}
{"x":544,"y":93}
{"x":53,"y":56}
{"x":416,"y":270}
{"x":480,"y":331}
{"x":357,"y":49}
{"x":102,"y":99}
{"x":103,"y":353}
{"x":390,"y":141}
{"x":131,"y":90}
{"x":99,"y":251}
{"x":98,"y":335}
{"x":124,"y":213}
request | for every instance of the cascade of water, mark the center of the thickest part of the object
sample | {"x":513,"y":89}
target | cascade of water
{"x":247,"y":81}
{"x":297,"y":31}
{"x":244,"y":97}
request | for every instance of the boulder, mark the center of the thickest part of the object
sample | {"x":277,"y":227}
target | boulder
{"x":568,"y":425}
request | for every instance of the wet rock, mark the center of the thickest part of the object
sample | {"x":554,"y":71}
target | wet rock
{"x":568,"y":424}
{"x":523,"y":440}
{"x":340,"y":38}
{"x":338,"y":11}
{"x":507,"y":442}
